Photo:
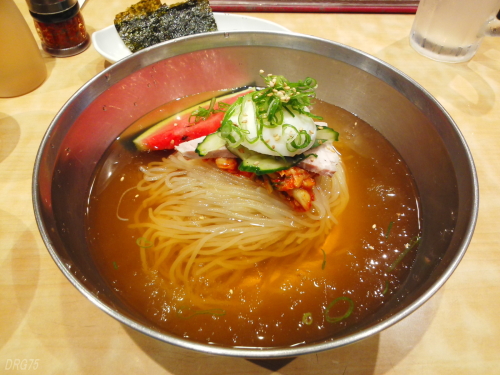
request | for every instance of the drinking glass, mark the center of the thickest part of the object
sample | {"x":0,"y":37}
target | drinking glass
{"x":452,"y":30}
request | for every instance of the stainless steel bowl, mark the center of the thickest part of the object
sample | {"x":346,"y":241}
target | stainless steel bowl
{"x":411,"y":119}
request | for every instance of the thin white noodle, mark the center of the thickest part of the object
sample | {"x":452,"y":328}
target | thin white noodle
{"x":204,"y":222}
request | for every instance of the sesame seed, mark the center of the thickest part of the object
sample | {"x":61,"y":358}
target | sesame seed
{"x":256,"y":163}
{"x":261,"y":71}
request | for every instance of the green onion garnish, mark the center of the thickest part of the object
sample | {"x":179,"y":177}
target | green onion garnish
{"x":337,"y":319}
{"x":323,"y":265}
{"x":307,"y":319}
{"x":115,"y":266}
{"x":270,"y":103}
{"x":143,"y":242}
{"x":389,"y":229}
{"x":386,"y":289}
{"x":214,"y":312}
{"x":415,"y":241}
{"x":202,"y":113}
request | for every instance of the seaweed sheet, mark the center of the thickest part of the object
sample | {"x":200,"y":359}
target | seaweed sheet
{"x":150,"y":22}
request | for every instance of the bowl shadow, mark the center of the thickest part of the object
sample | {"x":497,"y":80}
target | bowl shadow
{"x":183,"y":361}
{"x":10,"y":133}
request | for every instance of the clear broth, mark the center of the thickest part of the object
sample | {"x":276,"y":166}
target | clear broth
{"x":362,"y":257}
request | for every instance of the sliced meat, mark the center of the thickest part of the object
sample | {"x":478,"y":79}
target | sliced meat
{"x":325,"y":163}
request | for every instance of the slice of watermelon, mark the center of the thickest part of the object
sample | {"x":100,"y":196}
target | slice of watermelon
{"x":176,"y":129}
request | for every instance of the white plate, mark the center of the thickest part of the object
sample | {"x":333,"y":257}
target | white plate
{"x":109,"y":44}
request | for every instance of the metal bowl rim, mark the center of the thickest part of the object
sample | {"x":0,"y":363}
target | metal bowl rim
{"x":259,"y":353}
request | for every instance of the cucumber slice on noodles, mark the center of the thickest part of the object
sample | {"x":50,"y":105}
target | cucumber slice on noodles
{"x":263,"y":164}
{"x":325,"y":134}
{"x":212,"y":142}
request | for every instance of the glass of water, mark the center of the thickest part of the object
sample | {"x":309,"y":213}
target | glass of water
{"x":452,"y":30}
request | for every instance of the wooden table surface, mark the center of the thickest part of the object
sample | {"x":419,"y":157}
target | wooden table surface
{"x":50,"y":328}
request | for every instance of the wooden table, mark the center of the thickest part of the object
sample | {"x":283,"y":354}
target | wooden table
{"x":47,"y":322}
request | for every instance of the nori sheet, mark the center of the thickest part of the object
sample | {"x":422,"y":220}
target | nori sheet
{"x":150,"y":22}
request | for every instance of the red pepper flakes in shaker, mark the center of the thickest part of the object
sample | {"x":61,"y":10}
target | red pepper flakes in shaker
{"x":60,"y":26}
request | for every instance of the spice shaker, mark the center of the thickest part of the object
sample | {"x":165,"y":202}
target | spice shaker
{"x":60,"y":26}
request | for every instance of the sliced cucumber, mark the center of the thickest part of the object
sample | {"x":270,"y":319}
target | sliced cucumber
{"x":212,"y":142}
{"x":325,"y":134}
{"x":263,"y":164}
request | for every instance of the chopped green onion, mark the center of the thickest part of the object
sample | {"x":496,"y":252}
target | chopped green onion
{"x":304,"y":136}
{"x":403,"y":254}
{"x":231,"y":133}
{"x":301,"y":136}
{"x":115,"y":266}
{"x":270,"y":105}
{"x":337,"y":319}
{"x":389,"y":229}
{"x":214,"y":312}
{"x":201,"y":114}
{"x":274,"y":107}
{"x":323,"y":265}
{"x":143,"y":242}
{"x":223,"y":107}
{"x":386,"y":288}
{"x":307,"y":319}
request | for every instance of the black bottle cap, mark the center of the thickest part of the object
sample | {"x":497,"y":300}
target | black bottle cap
{"x":50,"y":6}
